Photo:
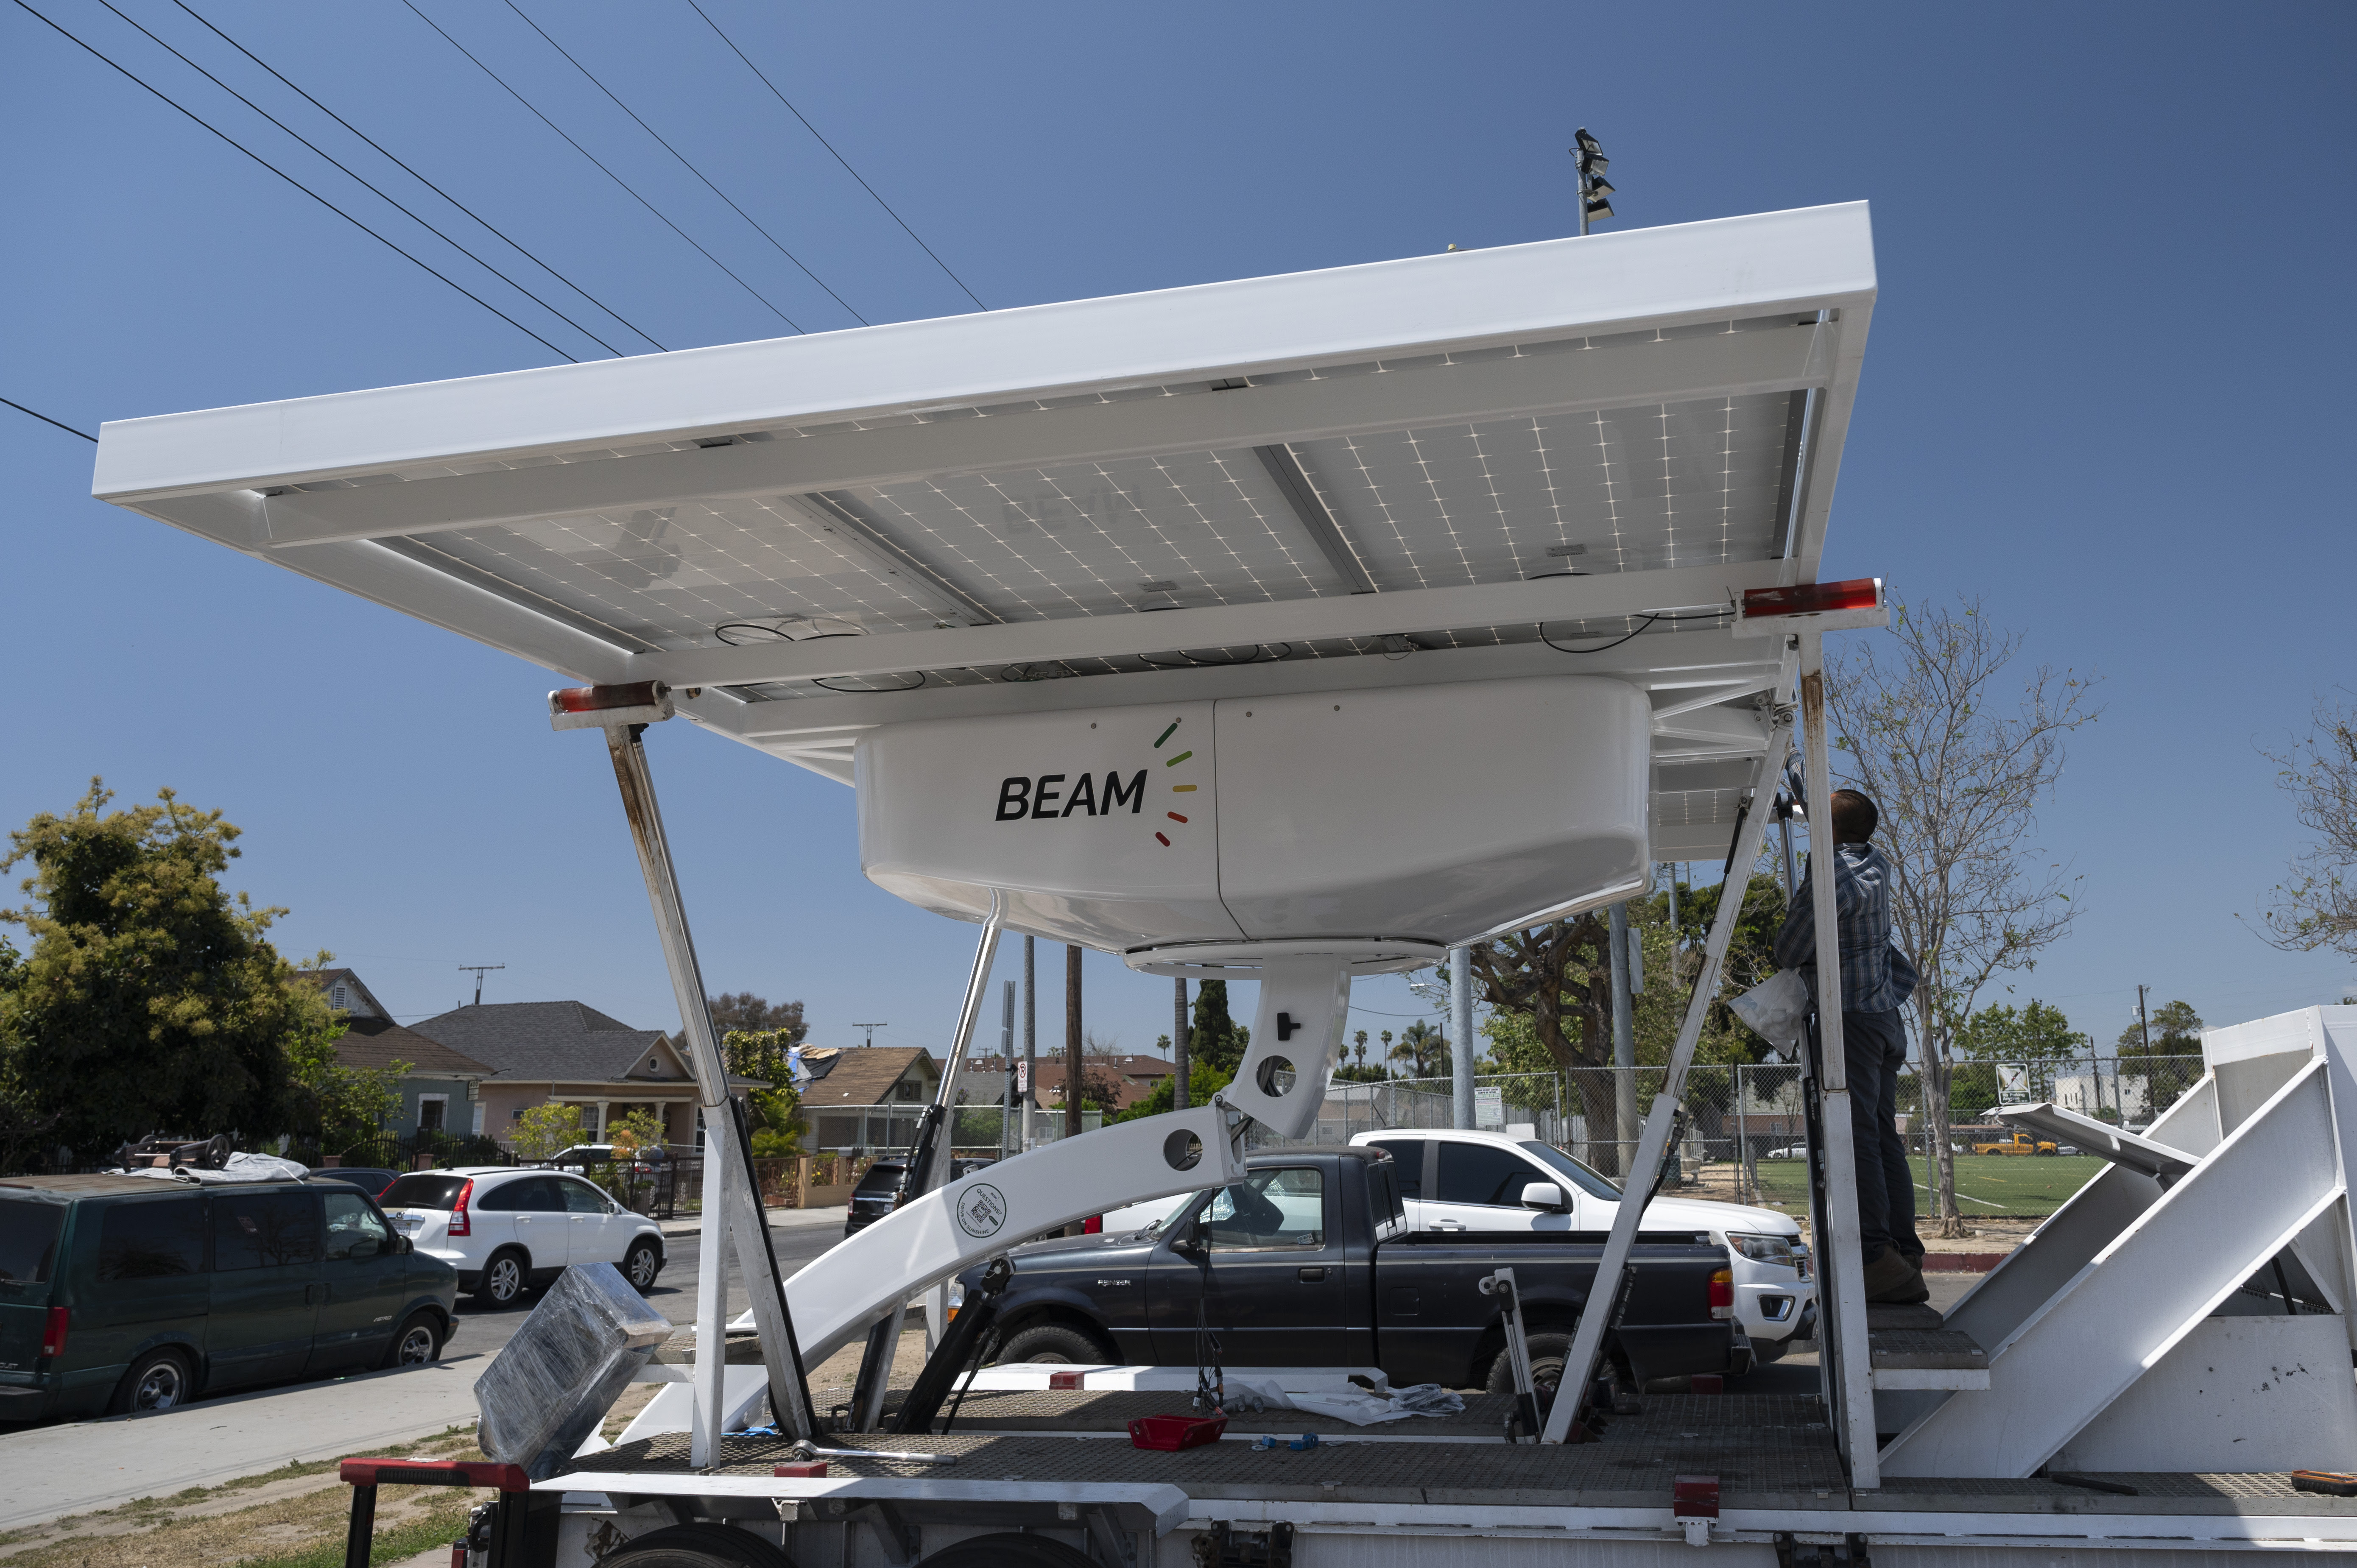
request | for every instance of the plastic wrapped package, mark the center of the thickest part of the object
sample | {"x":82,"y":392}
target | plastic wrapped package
{"x":564,"y":1368}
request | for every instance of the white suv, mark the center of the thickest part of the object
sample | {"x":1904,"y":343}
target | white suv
{"x":1486,"y":1181}
{"x":504,"y":1228}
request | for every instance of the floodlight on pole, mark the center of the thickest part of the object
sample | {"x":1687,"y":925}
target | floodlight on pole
{"x":1595,"y":190}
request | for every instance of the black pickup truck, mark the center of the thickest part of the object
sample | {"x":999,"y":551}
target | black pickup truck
{"x":1309,"y":1262}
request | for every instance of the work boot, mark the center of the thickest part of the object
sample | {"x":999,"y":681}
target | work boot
{"x":1891,"y":1280}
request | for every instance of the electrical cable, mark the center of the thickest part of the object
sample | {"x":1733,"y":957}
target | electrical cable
{"x":45,"y":419}
{"x":690,"y":167}
{"x":298,"y":185}
{"x":822,"y":142}
{"x":421,"y":180}
{"x":396,"y":206}
{"x":1645,"y":624}
{"x":609,"y":173}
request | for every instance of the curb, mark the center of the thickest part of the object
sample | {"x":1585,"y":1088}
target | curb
{"x":1961,"y":1262}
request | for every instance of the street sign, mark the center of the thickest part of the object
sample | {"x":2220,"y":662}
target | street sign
{"x":1489,"y":1106}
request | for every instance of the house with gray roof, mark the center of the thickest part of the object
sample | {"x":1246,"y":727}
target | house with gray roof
{"x":441,"y":1093}
{"x":569,"y":1053}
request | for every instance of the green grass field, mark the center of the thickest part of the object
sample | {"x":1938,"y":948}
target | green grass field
{"x":1986,"y":1185}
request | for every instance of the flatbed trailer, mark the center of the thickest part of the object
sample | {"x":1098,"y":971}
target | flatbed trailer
{"x":1587,"y":478}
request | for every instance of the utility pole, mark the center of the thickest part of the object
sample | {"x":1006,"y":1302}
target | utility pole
{"x":2144,"y":1024}
{"x":1179,"y":1032}
{"x":477,"y":969}
{"x":1595,"y":190}
{"x":1006,"y":1143}
{"x":1624,"y":1045}
{"x":1030,"y":1041}
{"x":871,"y":1029}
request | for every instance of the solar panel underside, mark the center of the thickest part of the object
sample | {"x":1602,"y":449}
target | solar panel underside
{"x":1464,"y":503}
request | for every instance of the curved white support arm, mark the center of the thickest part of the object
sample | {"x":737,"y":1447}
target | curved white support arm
{"x":839,"y":1293}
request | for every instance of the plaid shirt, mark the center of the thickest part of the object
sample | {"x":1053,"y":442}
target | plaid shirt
{"x":1875,"y":977}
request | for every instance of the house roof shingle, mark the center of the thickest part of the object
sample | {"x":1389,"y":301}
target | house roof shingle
{"x":864,"y":1075}
{"x":369,"y":1044}
{"x":549,"y":1042}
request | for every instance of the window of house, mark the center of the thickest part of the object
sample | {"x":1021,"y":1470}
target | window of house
{"x":433,"y":1112}
{"x":341,"y":997}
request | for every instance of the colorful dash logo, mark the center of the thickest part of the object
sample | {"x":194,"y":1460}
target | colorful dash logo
{"x":1051,"y":797}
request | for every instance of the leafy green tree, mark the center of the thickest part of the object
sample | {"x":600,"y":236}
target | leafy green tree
{"x":1423,"y":1050}
{"x":631,"y":1135}
{"x":2037,"y":1032}
{"x":2176,"y":1032}
{"x":151,"y":1000}
{"x":544,"y":1132}
{"x":775,"y":1112}
{"x":335,"y":1106}
{"x":741,"y":1011}
{"x":1214,"y":1039}
{"x":1203,"y":1080}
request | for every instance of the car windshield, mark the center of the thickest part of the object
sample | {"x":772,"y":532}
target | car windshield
{"x":422,"y":1192}
{"x":1562,"y":1165}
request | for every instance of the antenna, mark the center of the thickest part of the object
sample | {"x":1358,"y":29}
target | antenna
{"x":871,"y":1029}
{"x":477,"y":969}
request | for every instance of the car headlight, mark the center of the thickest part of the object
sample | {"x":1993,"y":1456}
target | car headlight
{"x":1773,"y":1249}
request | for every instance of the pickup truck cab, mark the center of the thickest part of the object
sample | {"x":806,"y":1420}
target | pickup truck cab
{"x":2019,"y":1143}
{"x":1485,"y":1182}
{"x":1310,"y":1262}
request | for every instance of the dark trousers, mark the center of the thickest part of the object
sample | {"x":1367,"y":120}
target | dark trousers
{"x":1874,"y":1044}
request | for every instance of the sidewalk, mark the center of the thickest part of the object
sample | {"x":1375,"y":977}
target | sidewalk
{"x":88,"y":1465}
{"x":779,"y":1218}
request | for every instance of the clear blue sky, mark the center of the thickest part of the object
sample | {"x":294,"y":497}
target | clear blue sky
{"x":2105,"y":382}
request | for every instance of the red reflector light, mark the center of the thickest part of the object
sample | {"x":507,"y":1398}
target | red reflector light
{"x":53,"y":1330}
{"x":1813,"y":598}
{"x":461,"y":1225}
{"x":1722,"y":1294}
{"x":597,"y":698}
{"x":1092,"y":1226}
{"x":1693,"y":1497}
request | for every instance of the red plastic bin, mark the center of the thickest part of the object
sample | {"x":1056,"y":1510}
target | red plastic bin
{"x":1172,"y":1433}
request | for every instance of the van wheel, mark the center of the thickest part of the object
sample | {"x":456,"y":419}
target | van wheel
{"x":640,"y":1264}
{"x":1008,"y":1550}
{"x":502,"y":1280}
{"x":1055,"y":1342}
{"x":698,"y":1546}
{"x":419,"y":1341}
{"x":161,"y":1379}
{"x":1548,"y":1353}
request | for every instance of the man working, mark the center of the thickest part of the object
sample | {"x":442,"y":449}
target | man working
{"x":1875,"y":981}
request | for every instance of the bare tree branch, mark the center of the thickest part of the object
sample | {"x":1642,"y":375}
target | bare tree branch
{"x":1925,"y":730}
{"x":2316,"y":906}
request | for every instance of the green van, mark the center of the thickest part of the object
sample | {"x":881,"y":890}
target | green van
{"x":122,"y":1293}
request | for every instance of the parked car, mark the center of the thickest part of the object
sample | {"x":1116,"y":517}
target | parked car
{"x":2015,"y":1143}
{"x":122,"y":1293}
{"x":1788,"y":1151}
{"x":505,"y":1228}
{"x":1311,"y":1261}
{"x":368,"y":1178}
{"x":871,"y":1199}
{"x":587,"y":1156}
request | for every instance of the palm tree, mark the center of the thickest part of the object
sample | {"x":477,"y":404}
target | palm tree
{"x":1361,"y":1040}
{"x":1424,"y":1051}
{"x":1387,"y":1037}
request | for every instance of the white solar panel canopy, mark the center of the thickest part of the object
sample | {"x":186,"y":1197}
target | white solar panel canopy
{"x":1568,"y":456}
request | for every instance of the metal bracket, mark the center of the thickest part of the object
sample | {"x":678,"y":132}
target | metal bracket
{"x":894,"y":1534}
{"x":1114,"y":1545}
{"x":1792,"y":1553}
{"x":1224,"y":1546}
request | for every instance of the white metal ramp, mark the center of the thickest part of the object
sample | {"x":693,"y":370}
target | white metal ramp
{"x":2123,"y":1327}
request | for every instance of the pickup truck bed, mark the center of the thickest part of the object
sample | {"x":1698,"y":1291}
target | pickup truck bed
{"x":1309,"y":1262}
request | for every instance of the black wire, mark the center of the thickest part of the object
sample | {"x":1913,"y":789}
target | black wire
{"x":45,"y":419}
{"x":690,"y":168}
{"x":609,"y":173}
{"x":820,"y":681}
{"x":421,"y":180}
{"x":298,"y":185}
{"x":1645,"y":623}
{"x":396,"y":206}
{"x":1259,"y":650}
{"x":830,"y":148}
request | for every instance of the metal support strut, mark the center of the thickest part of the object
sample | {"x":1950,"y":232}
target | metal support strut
{"x":731,"y":1207}
{"x":1637,"y":1190}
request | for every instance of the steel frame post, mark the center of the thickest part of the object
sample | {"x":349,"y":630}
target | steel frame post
{"x":937,"y":1169}
{"x":1841,"y":1271}
{"x":1596,"y":1320}
{"x":1460,"y":1026}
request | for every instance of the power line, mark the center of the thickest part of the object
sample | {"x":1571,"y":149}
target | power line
{"x":585,"y":153}
{"x":396,"y":206}
{"x":45,"y":419}
{"x":298,"y":185}
{"x":830,"y":148}
{"x":690,"y":168}
{"x":428,"y":184}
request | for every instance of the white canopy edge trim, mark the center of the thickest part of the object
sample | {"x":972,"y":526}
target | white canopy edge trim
{"x":1812,"y":257}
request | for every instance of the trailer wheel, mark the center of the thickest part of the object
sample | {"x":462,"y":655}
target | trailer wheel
{"x":1008,"y":1550}
{"x":1548,"y":1353}
{"x":698,"y":1546}
{"x":1055,"y":1342}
